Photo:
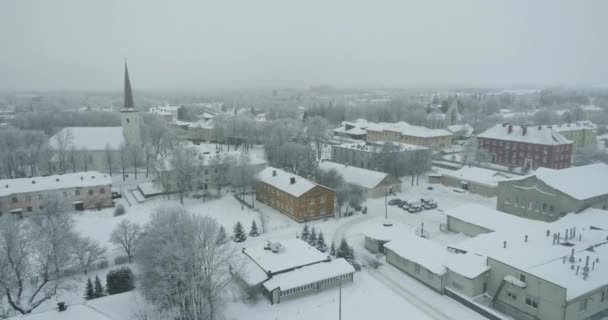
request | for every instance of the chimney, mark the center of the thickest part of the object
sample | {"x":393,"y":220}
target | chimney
{"x":274,"y":173}
{"x":524,"y":129}
{"x":577,"y":267}
{"x":593,"y":266}
{"x":566,"y":235}
{"x":571,"y":259}
{"x":61,"y":306}
{"x":33,"y":181}
{"x":504,"y":244}
{"x":558,"y":237}
{"x":510,"y":129}
{"x":526,"y":238}
{"x":586,"y":269}
{"x":548,"y":233}
{"x":292,"y":180}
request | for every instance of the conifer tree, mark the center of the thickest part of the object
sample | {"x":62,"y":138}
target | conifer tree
{"x":239,"y":233}
{"x":222,"y":237}
{"x":305,"y":233}
{"x":321,"y":245}
{"x":98,"y":289}
{"x":254,"y":230}
{"x":312,"y":238}
{"x":345,"y":251}
{"x":332,"y":249}
{"x":89,"y":292}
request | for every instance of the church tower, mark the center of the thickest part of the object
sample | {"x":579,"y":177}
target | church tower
{"x":130,"y":117}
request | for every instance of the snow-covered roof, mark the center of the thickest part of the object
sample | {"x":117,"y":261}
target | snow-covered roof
{"x":534,"y":135}
{"x":491,"y":219}
{"x":75,"y":312}
{"x":251,"y":273}
{"x":581,"y":183}
{"x":202,"y":124}
{"x":365,"y":178}
{"x":464,"y":129}
{"x":54,"y":182}
{"x":376,"y":146}
{"x":478,"y":175}
{"x":574,"y":126}
{"x":539,"y":256}
{"x":309,"y":274}
{"x":591,"y":107}
{"x":407,"y":129}
{"x":89,"y":138}
{"x":281,"y":180}
{"x":383,"y":230}
{"x":436,"y":257}
{"x":293,"y":253}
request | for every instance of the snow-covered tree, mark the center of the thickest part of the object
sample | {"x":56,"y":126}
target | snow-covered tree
{"x":98,"y":288}
{"x":346,"y":251}
{"x":88,"y":252}
{"x":125,"y":236}
{"x":183,"y":269}
{"x":120,"y":280}
{"x":332,"y":249}
{"x":254,"y":230}
{"x":305,"y":233}
{"x":321,"y":245}
{"x":312,"y":239}
{"x":222,"y":236}
{"x":89,"y":292}
{"x":238,"y":233}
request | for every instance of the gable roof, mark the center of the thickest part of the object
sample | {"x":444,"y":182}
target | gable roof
{"x":478,"y":175}
{"x":407,"y":129}
{"x":54,"y":182}
{"x":533,"y":135}
{"x":365,"y":178}
{"x":281,"y":180}
{"x":578,"y":182}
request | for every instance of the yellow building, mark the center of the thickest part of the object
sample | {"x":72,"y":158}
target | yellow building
{"x":403,"y":132}
{"x":581,"y":133}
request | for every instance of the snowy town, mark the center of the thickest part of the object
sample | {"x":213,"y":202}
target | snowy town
{"x":300,"y":202}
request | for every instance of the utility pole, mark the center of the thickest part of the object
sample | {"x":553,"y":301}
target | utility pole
{"x":340,"y":301}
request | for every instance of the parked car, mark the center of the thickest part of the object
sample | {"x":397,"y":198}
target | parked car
{"x":394,"y":202}
{"x":116,"y":195}
{"x":364,"y":210}
{"x":358,"y":208}
{"x":416,"y":205}
{"x":412,"y":210}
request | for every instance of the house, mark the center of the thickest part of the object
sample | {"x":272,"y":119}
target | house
{"x":374,"y":183}
{"x":352,"y":129}
{"x":436,"y":266}
{"x":291,"y":268}
{"x":437,"y":119}
{"x":548,"y":194}
{"x":581,"y":133}
{"x":542,"y":270}
{"x":294,"y":196}
{"x":366,"y":156}
{"x":461,"y":131}
{"x":523,"y":146}
{"x":475,"y":180}
{"x":72,"y":191}
{"x":403,"y":132}
{"x":97,"y":148}
{"x":168,"y":112}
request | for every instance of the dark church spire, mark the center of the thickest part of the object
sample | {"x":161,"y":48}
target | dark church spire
{"x":128,"y":103}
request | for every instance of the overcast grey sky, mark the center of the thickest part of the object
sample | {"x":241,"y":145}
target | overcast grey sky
{"x":193,"y":45}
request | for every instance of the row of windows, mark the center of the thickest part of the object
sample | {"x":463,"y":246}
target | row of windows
{"x":583,"y":305}
{"x":65,"y":194}
{"x":522,"y":146}
{"x":314,"y":285}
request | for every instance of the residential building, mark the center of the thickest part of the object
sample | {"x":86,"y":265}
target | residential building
{"x":581,"y":133}
{"x":97,"y":148}
{"x":71,"y":191}
{"x":541,"y":270}
{"x":292,"y":268}
{"x":168,"y":112}
{"x":366,"y":156}
{"x":475,"y":180}
{"x":528,"y":147}
{"x":461,"y":131}
{"x":403,"y":132}
{"x":437,"y":119}
{"x":375,"y":184}
{"x":353,"y":129}
{"x":294,"y":196}
{"x":549,"y":194}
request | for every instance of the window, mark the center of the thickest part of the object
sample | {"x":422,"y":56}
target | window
{"x":429,"y":274}
{"x":322,"y":212}
{"x":41,"y":207}
{"x":323,"y":199}
{"x":29,"y":209}
{"x":206,"y":171}
{"x":522,"y":278}
{"x":582,"y":305}
{"x":312,"y":201}
{"x":604,"y":294}
{"x":28,"y":198}
{"x":511,"y":295}
{"x":77,"y":192}
{"x":102,"y":190}
{"x":65,"y":194}
{"x":532,"y":302}
{"x":39,"y":197}
{"x":15,"y":200}
{"x":90,"y":192}
{"x":417,"y":268}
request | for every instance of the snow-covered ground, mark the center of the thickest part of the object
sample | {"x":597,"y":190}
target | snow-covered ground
{"x":384,"y":291}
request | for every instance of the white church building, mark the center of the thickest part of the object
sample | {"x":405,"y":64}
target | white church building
{"x":96,"y":148}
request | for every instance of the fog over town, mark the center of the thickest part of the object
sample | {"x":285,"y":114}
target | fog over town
{"x":199,"y":160}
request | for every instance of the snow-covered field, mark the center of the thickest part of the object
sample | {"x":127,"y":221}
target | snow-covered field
{"x":384,"y":291}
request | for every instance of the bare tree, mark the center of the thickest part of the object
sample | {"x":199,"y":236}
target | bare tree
{"x":33,"y":255}
{"x":183,"y":268}
{"x":317,"y":130}
{"x":88,"y":252}
{"x":125,"y":236}
{"x":135,"y":154}
{"x":181,"y":170}
{"x":109,"y":159}
{"x":124,"y":160}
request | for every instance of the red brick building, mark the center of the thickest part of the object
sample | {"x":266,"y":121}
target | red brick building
{"x":526,"y":146}
{"x":294,"y":196}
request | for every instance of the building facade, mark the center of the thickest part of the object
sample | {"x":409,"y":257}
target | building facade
{"x":366,"y":155}
{"x":528,"y":147}
{"x":548,"y":194}
{"x":581,"y":133}
{"x":72,"y":191}
{"x":402,"y":132}
{"x":294,"y":196}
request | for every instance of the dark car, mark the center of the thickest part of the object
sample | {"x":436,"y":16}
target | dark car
{"x":427,"y":206}
{"x":394,"y":202}
{"x":116,"y":195}
{"x":412,"y":210}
